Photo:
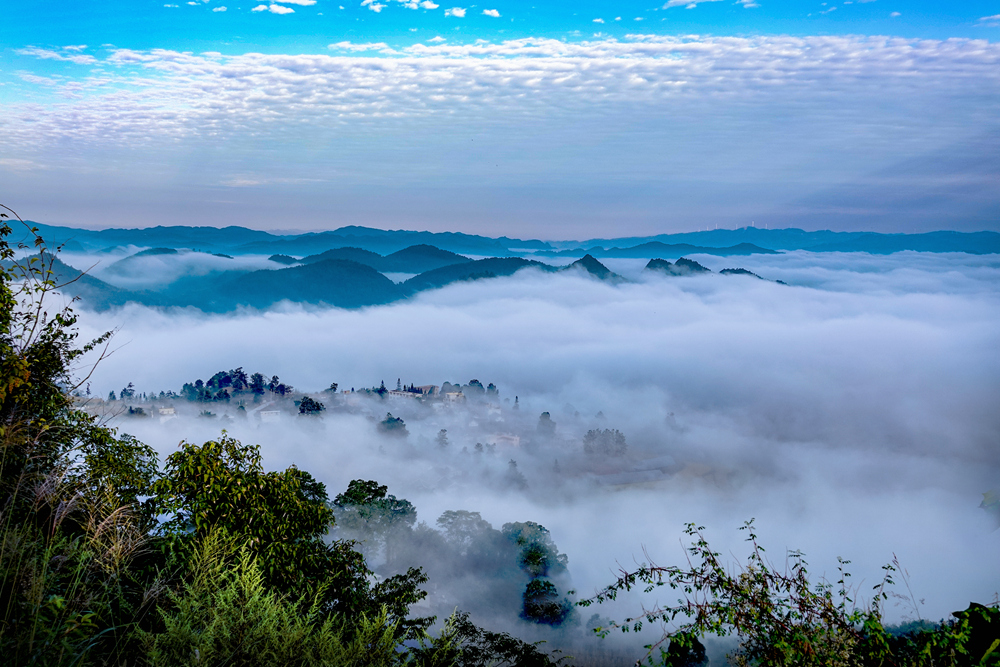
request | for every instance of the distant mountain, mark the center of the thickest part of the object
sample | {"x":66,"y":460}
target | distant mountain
{"x":332,"y":282}
{"x":739,"y":272}
{"x":682,"y":267}
{"x":240,"y":240}
{"x":359,"y":255}
{"x":652,"y":249}
{"x":93,"y":292}
{"x":199,"y":238}
{"x":722,"y":242}
{"x":420,"y":258}
{"x":593,"y":267}
{"x":127,"y":265}
{"x":483,"y":268}
{"x":155,"y":251}
{"x":976,"y":243}
{"x":414,"y":259}
{"x":385,"y":242}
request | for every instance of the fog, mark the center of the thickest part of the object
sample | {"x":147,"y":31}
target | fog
{"x":852,"y":412}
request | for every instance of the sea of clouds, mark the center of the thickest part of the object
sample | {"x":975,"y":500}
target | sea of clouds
{"x":851,"y":412}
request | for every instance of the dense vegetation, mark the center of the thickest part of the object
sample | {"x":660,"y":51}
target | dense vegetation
{"x":781,"y":617}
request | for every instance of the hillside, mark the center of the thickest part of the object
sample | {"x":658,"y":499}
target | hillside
{"x":483,"y":268}
{"x":414,"y":259}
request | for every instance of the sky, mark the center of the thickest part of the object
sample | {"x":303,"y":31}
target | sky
{"x":549,"y":120}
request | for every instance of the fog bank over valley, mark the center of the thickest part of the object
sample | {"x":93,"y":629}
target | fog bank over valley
{"x":851,"y":411}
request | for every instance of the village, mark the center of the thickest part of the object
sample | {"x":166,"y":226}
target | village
{"x":424,"y":421}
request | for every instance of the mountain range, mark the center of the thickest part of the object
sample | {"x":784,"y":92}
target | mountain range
{"x":747,"y":240}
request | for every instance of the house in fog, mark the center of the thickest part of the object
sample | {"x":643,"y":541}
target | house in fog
{"x":269,"y":416}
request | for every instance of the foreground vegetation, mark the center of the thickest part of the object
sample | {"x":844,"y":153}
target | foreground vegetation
{"x":107,"y":559}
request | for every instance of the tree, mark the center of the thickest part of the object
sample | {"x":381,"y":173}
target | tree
{"x":442,"y":439}
{"x":257,"y":383}
{"x":546,"y":427}
{"x":542,"y":603}
{"x":605,"y":443}
{"x":283,"y":518}
{"x":394,"y":426}
{"x":310,"y":406}
{"x":367,"y":511}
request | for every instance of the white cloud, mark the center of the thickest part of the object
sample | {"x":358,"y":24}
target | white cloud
{"x":373,"y":5}
{"x":274,"y":9}
{"x":895,"y":14}
{"x":995,"y":17}
{"x":598,"y":20}
{"x":491,"y":12}
{"x":171,"y":5}
{"x":437,"y":40}
{"x":618,"y":18}
{"x":48,"y":54}
{"x":458,"y":12}
{"x":427,"y":4}
{"x":221,"y":8}
{"x":159,"y":97}
{"x":351,"y":46}
{"x":304,"y":3}
{"x":75,"y":47}
{"x":690,"y":4}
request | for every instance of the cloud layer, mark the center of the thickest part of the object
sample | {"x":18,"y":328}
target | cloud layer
{"x":852,"y":412}
{"x":685,"y":131}
{"x":151,"y":96}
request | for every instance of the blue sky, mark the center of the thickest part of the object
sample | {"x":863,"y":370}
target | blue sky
{"x":552,"y":120}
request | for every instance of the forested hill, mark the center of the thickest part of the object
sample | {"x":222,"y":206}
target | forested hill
{"x":747,"y":240}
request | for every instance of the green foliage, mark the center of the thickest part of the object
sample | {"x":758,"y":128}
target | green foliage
{"x":465,"y":645}
{"x":368,"y":513}
{"x":539,"y":556}
{"x":225,"y":614}
{"x":541,"y":603}
{"x":310,"y":406}
{"x":781,"y":618}
{"x":394,"y":426}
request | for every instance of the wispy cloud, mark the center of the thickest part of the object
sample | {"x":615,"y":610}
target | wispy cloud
{"x":154,"y":96}
{"x":691,"y":4}
{"x":219,"y":9}
{"x":274,"y":9}
{"x":458,"y":12}
{"x":359,"y":47}
{"x":303,"y":3}
{"x":598,"y":20}
{"x":48,"y":54}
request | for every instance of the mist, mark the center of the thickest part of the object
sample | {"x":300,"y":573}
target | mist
{"x":851,"y":411}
